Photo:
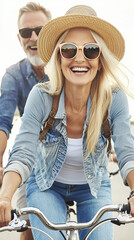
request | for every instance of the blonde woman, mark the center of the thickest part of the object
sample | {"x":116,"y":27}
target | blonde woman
{"x":83,"y":54}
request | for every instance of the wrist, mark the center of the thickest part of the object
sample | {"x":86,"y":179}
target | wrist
{"x":5,"y":198}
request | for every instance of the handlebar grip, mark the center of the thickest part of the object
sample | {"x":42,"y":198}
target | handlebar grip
{"x":126,"y":208}
{"x":12,"y":213}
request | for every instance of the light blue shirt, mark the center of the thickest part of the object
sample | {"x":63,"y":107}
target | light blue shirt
{"x":16,"y":84}
{"x":47,"y":157}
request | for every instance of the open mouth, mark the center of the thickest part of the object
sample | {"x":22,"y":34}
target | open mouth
{"x":79,"y":69}
{"x":34,"y":48}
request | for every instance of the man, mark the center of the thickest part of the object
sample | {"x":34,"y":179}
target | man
{"x":21,"y":77}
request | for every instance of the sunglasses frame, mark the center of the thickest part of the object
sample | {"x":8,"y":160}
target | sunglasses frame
{"x":30,"y":31}
{"x":82,"y":48}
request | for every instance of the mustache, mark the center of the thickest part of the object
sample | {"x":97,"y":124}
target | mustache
{"x":31,"y":44}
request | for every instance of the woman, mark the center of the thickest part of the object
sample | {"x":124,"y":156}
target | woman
{"x":82,"y":53}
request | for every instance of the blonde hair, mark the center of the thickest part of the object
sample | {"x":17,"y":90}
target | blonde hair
{"x":112,"y":74}
{"x":31,"y":7}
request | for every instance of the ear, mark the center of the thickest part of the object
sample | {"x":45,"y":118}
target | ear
{"x":18,"y":36}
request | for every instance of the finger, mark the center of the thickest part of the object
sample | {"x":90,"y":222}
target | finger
{"x":1,"y":175}
{"x":5,"y":211}
{"x":131,"y":201}
{"x":7,"y":215}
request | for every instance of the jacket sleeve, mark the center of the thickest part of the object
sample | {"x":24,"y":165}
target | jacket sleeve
{"x":23,"y":154}
{"x":122,"y":133}
{"x":8,"y":102}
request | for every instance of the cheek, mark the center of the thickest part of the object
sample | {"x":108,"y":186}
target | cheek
{"x":63,"y":64}
{"x":24,"y":42}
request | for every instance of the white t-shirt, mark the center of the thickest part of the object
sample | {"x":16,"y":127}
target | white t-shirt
{"x":72,"y":171}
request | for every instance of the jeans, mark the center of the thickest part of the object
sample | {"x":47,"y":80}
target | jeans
{"x":53,"y":204}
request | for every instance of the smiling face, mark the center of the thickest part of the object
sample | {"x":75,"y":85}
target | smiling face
{"x":79,"y":70}
{"x":31,"y":20}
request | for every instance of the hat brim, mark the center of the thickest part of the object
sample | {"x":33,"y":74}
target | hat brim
{"x":51,"y":32}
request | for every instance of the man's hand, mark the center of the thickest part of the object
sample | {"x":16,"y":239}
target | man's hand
{"x":113,"y":157}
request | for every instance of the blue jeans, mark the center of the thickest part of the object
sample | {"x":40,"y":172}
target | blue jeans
{"x":53,"y":204}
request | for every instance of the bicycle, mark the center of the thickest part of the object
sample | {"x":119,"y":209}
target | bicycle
{"x":71,"y":227}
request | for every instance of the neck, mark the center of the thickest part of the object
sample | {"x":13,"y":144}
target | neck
{"x":39,"y":70}
{"x":76,"y":98}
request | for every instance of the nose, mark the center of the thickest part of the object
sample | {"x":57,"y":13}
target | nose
{"x":34,"y":36}
{"x":79,"y":55}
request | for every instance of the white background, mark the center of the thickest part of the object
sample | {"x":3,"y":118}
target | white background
{"x":118,"y":12}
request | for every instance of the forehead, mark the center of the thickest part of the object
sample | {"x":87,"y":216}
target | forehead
{"x":32,"y":19}
{"x":79,"y":34}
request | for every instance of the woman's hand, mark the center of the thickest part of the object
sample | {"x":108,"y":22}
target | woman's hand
{"x":1,"y":175}
{"x":5,"y":211}
{"x":11,"y":181}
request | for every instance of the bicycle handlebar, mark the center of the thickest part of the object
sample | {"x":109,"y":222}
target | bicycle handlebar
{"x":69,"y":225}
{"x":73,"y":225}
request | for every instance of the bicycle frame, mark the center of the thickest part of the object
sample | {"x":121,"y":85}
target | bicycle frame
{"x":122,"y":218}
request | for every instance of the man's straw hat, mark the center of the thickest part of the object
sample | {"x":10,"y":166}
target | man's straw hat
{"x":79,"y":16}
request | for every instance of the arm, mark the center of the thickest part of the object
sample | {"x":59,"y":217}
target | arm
{"x":8,"y":103}
{"x":3,"y":144}
{"x":123,"y":141}
{"x":11,"y":181}
{"x":23,"y":154}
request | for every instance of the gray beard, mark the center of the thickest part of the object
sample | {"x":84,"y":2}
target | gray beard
{"x":35,"y":60}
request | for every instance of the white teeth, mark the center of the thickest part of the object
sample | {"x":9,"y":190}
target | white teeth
{"x":79,"y":69}
{"x":34,"y":47}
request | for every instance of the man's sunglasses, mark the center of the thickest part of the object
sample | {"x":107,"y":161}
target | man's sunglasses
{"x":27,"y":32}
{"x":69,"y":50}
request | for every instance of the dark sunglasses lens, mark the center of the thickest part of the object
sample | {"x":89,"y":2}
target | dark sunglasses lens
{"x":91,"y":51}
{"x":27,"y":32}
{"x":68,"y":50}
{"x":37,"y":30}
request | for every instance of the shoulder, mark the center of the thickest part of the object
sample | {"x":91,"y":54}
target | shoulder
{"x":118,"y":95}
{"x":119,"y":104}
{"x":16,"y":67}
{"x":39,"y":97}
{"x":39,"y":102}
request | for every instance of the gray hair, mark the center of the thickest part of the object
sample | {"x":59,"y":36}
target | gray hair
{"x":31,"y":7}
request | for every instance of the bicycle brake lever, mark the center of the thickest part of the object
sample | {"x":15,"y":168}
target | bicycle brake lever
{"x":17,"y":225}
{"x":123,"y":219}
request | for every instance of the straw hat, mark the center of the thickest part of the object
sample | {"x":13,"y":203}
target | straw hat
{"x":79,"y":16}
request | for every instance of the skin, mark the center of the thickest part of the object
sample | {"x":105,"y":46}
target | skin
{"x":29,"y":45}
{"x":77,"y":89}
{"x":27,"y":20}
{"x":78,"y":83}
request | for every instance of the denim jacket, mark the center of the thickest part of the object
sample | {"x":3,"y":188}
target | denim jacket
{"x":16,"y":84}
{"x":47,"y":157}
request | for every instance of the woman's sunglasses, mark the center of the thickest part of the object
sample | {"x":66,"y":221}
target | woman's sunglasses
{"x":27,"y":32}
{"x":69,"y":50}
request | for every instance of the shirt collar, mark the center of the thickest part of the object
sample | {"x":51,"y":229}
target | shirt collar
{"x":28,"y":71}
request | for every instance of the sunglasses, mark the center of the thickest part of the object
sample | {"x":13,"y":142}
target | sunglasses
{"x":69,"y":50}
{"x":27,"y":32}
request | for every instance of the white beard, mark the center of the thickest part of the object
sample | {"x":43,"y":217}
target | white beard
{"x":35,"y":60}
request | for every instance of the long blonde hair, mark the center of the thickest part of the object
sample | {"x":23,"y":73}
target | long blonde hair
{"x":111,"y":75}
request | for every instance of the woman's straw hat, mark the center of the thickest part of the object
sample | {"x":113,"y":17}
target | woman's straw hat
{"x":79,"y":16}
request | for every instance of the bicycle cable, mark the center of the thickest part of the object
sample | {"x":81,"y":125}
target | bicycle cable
{"x":41,"y":232}
{"x":46,"y":233}
{"x":97,"y":225}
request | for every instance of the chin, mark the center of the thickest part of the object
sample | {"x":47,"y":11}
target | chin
{"x":35,"y":60}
